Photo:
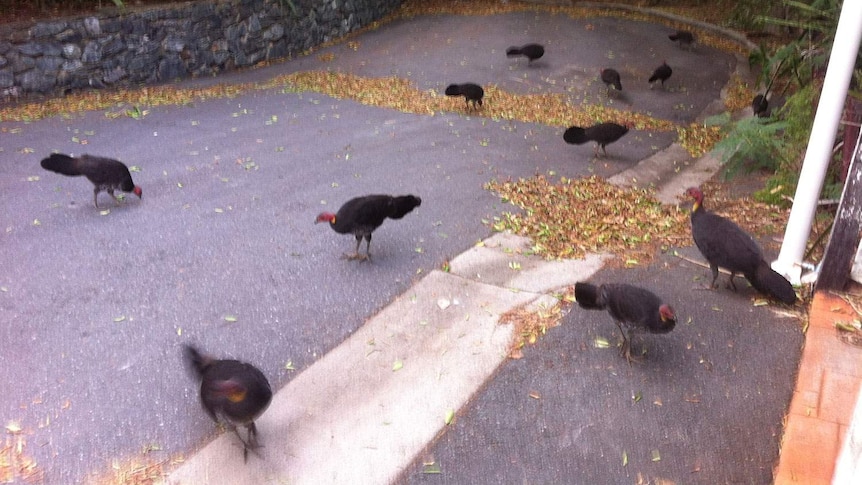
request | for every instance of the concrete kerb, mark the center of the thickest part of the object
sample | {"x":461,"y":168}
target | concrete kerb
{"x":503,"y":260}
{"x":670,"y":172}
{"x":366,"y":409}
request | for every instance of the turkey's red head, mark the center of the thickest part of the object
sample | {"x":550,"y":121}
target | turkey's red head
{"x":325,"y":217}
{"x":666,"y":313}
{"x":695,"y":194}
{"x":137,"y":191}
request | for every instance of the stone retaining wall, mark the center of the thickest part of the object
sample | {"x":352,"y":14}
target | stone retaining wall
{"x":159,"y":44}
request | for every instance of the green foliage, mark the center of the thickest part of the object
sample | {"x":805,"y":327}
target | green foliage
{"x":785,"y":150}
{"x":787,"y":63}
{"x":776,"y":144}
{"x":818,"y":17}
{"x":803,"y":59}
{"x":746,"y":14}
{"x":752,"y":144}
{"x":798,"y":66}
{"x":798,"y":111}
{"x":778,"y":188}
{"x":782,"y":186}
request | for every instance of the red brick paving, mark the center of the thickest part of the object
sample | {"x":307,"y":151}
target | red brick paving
{"x":830,"y":376}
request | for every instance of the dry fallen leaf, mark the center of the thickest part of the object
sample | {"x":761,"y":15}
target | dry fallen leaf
{"x":15,"y":465}
{"x":573,"y":217}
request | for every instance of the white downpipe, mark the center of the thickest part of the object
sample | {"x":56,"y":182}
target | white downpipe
{"x":829,"y":110}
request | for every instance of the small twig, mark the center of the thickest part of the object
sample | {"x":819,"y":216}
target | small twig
{"x":852,"y":304}
{"x":826,"y":231}
{"x":702,"y":265}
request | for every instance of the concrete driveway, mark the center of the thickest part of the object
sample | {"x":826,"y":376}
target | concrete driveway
{"x":222,"y":250}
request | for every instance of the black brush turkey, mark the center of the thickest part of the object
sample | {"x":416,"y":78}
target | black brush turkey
{"x":530,"y":51}
{"x":361,"y":216}
{"x":473,"y":93}
{"x":232,"y":392}
{"x":725,"y":245}
{"x":603,"y":134}
{"x":105,"y":173}
{"x":662,"y":73}
{"x":637,"y":309}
